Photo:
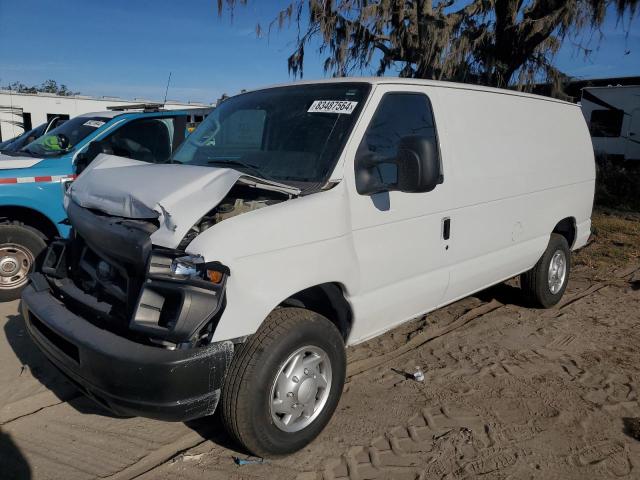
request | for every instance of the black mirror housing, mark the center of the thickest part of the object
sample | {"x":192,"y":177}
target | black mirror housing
{"x":417,"y":163}
{"x":92,"y":150}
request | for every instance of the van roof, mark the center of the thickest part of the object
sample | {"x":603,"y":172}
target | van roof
{"x":420,"y":82}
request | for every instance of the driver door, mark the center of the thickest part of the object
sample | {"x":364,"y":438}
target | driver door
{"x":398,"y":237}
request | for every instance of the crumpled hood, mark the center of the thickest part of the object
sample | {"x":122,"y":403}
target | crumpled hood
{"x":10,"y":162}
{"x":177,"y":195}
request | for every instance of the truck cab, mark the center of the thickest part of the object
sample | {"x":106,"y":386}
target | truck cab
{"x":33,"y":178}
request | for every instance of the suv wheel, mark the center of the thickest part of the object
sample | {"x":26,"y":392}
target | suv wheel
{"x":20,"y":249}
{"x":284,"y":383}
{"x":546,"y":282}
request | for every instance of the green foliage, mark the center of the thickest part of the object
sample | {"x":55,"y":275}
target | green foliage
{"x":48,"y":86}
{"x":492,"y":42}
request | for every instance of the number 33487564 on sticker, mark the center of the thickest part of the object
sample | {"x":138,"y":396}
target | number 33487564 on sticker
{"x":332,"y":106}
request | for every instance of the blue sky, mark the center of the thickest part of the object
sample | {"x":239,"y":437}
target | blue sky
{"x":128,"y":47}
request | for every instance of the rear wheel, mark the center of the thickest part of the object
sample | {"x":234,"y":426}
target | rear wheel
{"x":284,"y":383}
{"x":546,"y":282}
{"x":20,"y":248}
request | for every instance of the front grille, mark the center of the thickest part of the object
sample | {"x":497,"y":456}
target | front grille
{"x":110,"y":282}
{"x":101,"y":275}
{"x":109,"y":258}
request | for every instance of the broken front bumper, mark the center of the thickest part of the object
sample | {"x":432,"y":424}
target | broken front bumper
{"x":127,"y":377}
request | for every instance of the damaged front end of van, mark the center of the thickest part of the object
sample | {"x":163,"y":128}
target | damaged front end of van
{"x":121,"y":307}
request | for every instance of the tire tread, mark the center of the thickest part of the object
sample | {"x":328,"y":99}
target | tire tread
{"x":275,"y":326}
{"x":533,"y":283}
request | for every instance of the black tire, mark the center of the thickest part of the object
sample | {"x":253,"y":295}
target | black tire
{"x":18,"y":237}
{"x":247,"y":392}
{"x":535,"y":282}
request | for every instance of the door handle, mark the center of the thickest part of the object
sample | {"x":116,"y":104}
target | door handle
{"x":446,"y":228}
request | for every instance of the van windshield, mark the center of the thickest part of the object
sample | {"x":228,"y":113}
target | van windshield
{"x":288,"y":134}
{"x":64,"y":138}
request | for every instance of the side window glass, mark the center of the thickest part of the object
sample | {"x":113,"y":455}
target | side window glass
{"x":398,"y":115}
{"x":146,"y":139}
{"x":606,"y":123}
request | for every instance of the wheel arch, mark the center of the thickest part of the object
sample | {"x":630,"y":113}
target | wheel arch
{"x":30,"y":217}
{"x":327,"y":299}
{"x":568,"y":229}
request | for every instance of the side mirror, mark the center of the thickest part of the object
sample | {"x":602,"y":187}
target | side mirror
{"x":417,"y":166}
{"x":87,"y":156}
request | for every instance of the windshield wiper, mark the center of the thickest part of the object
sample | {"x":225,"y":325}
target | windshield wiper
{"x":253,"y":169}
{"x":30,"y":153}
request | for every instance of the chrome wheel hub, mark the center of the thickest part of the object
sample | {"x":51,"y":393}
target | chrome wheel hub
{"x":15,"y":264}
{"x":300,"y":389}
{"x":557,"y":271}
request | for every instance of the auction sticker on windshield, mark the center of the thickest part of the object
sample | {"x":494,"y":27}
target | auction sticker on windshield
{"x":93,"y":123}
{"x":332,"y":106}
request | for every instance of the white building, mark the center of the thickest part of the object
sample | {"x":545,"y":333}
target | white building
{"x":613,"y":116}
{"x":24,"y":111}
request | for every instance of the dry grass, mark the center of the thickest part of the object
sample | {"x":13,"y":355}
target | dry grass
{"x":617,"y":184}
{"x":615,"y":240}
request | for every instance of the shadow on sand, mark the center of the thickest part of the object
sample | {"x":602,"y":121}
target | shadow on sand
{"x":49,"y":376}
{"x":13,"y":465}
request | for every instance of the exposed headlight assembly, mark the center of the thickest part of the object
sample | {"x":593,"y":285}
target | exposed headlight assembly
{"x":194,"y":267}
{"x":186,"y":266}
{"x":180,"y":298}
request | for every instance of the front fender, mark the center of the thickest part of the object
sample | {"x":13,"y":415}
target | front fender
{"x":38,"y":188}
{"x":44,"y":198}
{"x":278,"y":251}
{"x":260,"y":283}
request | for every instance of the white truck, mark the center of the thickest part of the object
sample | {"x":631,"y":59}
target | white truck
{"x":294,"y":221}
{"x":613,"y":115}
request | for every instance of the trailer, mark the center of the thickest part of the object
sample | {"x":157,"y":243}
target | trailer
{"x":613,"y":116}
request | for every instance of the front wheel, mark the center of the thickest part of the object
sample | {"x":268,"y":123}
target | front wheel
{"x":20,"y":249}
{"x":284,"y":383}
{"x":546,"y":282}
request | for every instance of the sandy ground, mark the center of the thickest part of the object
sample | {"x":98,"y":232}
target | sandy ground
{"x":509,"y":392}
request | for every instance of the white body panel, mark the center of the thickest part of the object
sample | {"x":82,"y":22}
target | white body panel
{"x":625,"y":143}
{"x":514,"y":165}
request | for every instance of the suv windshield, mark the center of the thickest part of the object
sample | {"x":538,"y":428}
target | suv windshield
{"x":23,"y":139}
{"x":288,"y":134}
{"x":64,"y":138}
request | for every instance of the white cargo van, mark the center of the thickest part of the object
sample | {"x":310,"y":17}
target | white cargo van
{"x":294,"y":221}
